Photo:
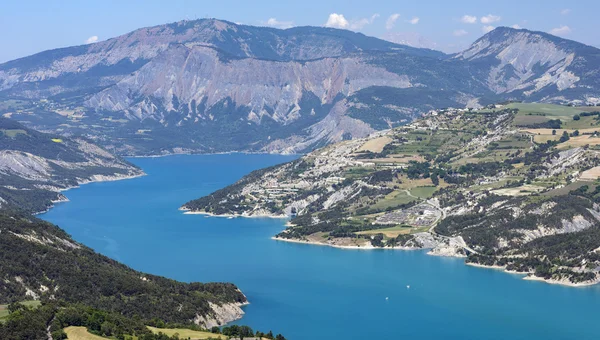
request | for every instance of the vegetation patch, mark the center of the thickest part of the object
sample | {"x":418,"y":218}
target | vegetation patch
{"x":81,"y":333}
{"x":184,"y":333}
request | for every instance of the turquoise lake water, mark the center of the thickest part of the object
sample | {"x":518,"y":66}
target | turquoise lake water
{"x":304,"y":291}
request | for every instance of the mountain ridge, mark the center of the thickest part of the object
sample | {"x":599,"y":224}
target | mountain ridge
{"x":186,"y":86}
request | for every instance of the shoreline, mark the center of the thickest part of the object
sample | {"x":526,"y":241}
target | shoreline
{"x":527,"y":276}
{"x":370,"y":247}
{"x":212,"y":153}
{"x":101,"y":179}
{"x":530,"y":277}
{"x":207,"y":214}
{"x":367,"y":247}
{"x":64,"y":199}
{"x":562,"y":282}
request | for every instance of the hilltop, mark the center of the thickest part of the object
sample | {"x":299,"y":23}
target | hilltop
{"x":513,"y":186}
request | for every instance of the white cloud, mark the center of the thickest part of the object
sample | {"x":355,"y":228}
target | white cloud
{"x":562,"y":30}
{"x":272,"y":22}
{"x":91,"y":39}
{"x":487,"y":28}
{"x":516,"y":26}
{"x":488,"y":19}
{"x":413,"y":39}
{"x":565,"y":11}
{"x":460,"y":33}
{"x":391,"y":21}
{"x":337,"y":21}
{"x":468,"y":19}
{"x":358,"y":24}
{"x":414,"y":20}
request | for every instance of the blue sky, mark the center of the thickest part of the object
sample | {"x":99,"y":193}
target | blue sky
{"x":30,"y":26}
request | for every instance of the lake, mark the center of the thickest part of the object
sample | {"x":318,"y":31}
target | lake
{"x":306,"y":291}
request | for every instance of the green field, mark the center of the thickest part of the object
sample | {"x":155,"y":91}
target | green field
{"x":530,"y":114}
{"x":550,"y":110}
{"x":4,"y":308}
{"x":357,"y":172}
{"x":13,"y":104}
{"x":81,"y":333}
{"x":392,"y":232}
{"x":186,"y":333}
{"x":423,"y":192}
{"x":393,"y":199}
{"x":12,"y":133}
{"x":568,"y":188}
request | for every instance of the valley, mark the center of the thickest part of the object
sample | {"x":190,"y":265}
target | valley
{"x":408,"y":166}
{"x":53,"y":286}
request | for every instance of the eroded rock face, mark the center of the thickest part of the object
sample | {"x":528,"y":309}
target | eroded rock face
{"x":269,"y":88}
{"x":222,"y":314}
{"x":530,"y":62}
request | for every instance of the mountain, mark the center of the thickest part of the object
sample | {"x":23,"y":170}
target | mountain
{"x":35,"y":166}
{"x":535,"y":66}
{"x":213,"y":86}
{"x":513,"y":186}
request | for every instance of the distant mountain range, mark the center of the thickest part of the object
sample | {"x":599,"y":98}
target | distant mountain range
{"x":213,"y":86}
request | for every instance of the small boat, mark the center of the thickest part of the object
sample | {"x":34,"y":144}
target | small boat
{"x":407,"y":286}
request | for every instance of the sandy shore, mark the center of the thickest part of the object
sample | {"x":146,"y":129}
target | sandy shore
{"x":189,"y":212}
{"x":367,"y":247}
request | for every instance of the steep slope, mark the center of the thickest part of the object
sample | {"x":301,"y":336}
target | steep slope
{"x":535,"y":66}
{"x":35,"y":166}
{"x":513,"y":186}
{"x":40,"y":261}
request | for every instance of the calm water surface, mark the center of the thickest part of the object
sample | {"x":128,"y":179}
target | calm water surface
{"x":311,"y":292}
